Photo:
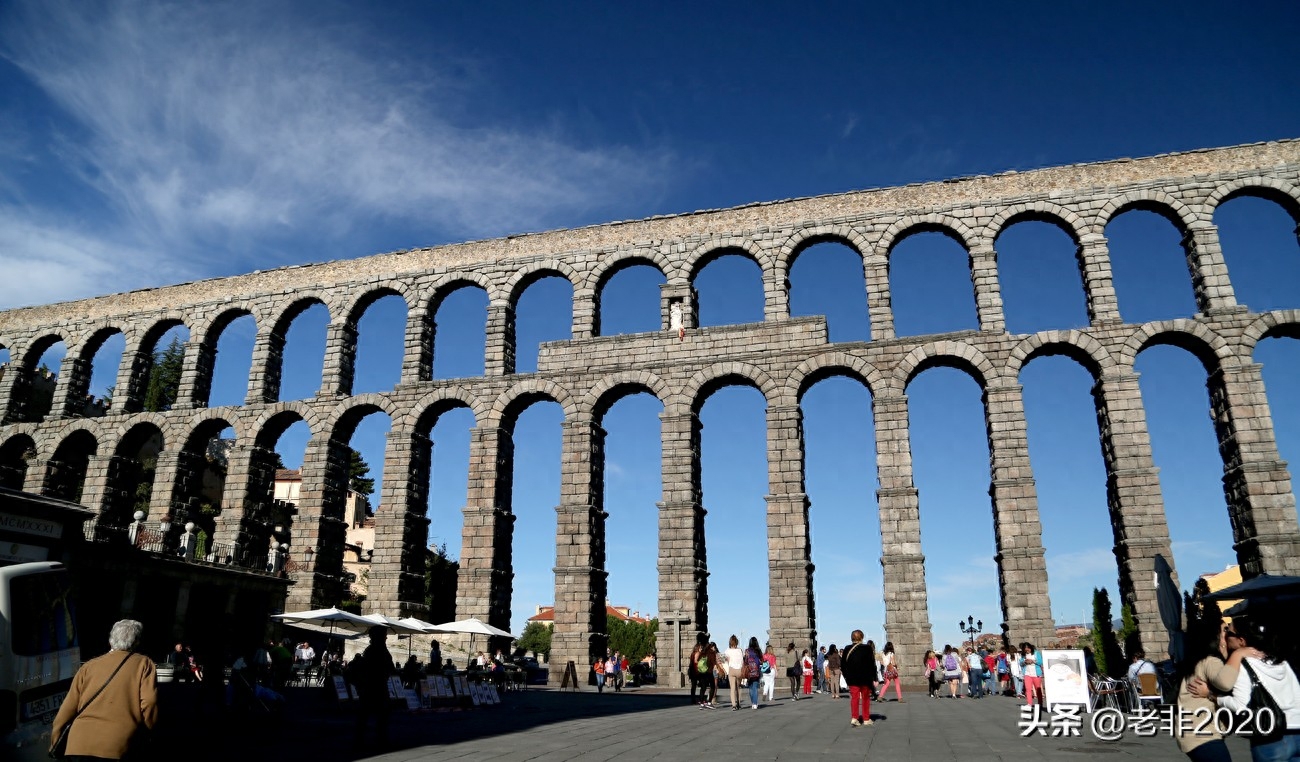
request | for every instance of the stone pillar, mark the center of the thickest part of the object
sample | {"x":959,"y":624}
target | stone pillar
{"x":678,"y":306}
{"x":132,"y":379}
{"x":1209,"y":272}
{"x":1093,"y":256}
{"x":499,"y":354}
{"x":14,"y":383}
{"x":173,"y":484}
{"x":244,"y":524}
{"x":789,"y":556}
{"x":585,"y":307}
{"x":486,"y":564}
{"x":1022,"y":568}
{"x":907,"y":615}
{"x":880,"y":308}
{"x":338,"y":371}
{"x":319,"y":532}
{"x":580,"y":576}
{"x":196,"y":374}
{"x":1137,"y":512}
{"x":683,"y":570}
{"x":264,"y":372}
{"x":417,"y":355}
{"x":776,"y":296}
{"x":94,"y":493}
{"x":401,"y":528}
{"x":988,"y":291}
{"x":34,"y":478}
{"x":71,"y":389}
{"x":1256,"y":481}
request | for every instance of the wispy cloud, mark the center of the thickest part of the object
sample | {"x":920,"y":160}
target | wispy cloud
{"x":235,"y":127}
{"x":1095,"y":565}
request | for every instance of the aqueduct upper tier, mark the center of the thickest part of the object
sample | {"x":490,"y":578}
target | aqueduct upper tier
{"x":96,"y":458}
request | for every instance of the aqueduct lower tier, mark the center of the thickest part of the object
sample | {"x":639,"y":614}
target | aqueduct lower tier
{"x":782,"y":356}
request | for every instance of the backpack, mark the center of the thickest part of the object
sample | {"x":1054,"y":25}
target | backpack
{"x":702,"y":665}
{"x":950,"y":663}
{"x":752,"y":669}
{"x":765,"y":667}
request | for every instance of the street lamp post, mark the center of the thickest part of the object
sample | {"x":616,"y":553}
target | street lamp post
{"x":971,"y":628}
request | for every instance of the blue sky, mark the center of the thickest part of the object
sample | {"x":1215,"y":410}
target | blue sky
{"x":143,"y":144}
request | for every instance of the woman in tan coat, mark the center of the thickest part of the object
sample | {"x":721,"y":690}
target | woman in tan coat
{"x":128,"y":702}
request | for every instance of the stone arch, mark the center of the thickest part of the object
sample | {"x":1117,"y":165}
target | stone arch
{"x":424,"y":414}
{"x":197,"y":431}
{"x":911,"y":225}
{"x":614,"y":262}
{"x":1062,"y":217}
{"x":718,"y":246}
{"x":510,"y":403}
{"x":1206,"y":345}
{"x":830,"y":364}
{"x":357,"y":306}
{"x":1280,"y":323}
{"x":1280,"y":192}
{"x":346,"y":415}
{"x":613,"y":388}
{"x":14,"y":454}
{"x":37,"y":347}
{"x":65,"y":471}
{"x":708,"y":380}
{"x":444,"y":286}
{"x":950,"y":354}
{"x":1183,"y":217}
{"x":804,"y":238}
{"x":266,"y":428}
{"x":526,"y":276}
{"x":281,"y":320}
{"x":1077,"y":345}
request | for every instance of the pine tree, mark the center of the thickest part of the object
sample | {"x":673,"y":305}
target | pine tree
{"x":358,"y":473}
{"x":165,"y":377}
{"x":1105,"y":646}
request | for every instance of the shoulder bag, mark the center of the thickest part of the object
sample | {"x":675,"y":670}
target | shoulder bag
{"x":1262,"y":704}
{"x":59,"y":749}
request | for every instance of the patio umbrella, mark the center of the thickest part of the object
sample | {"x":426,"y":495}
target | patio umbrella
{"x":397,"y":626}
{"x":1261,"y":587}
{"x":330,"y":621}
{"x":474,"y":627}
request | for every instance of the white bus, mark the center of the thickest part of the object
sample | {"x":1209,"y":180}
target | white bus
{"x":39,"y":654}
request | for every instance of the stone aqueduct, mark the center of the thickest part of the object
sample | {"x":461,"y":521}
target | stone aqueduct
{"x":781,"y":356}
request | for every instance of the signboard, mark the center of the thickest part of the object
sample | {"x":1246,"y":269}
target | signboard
{"x":28,"y":525}
{"x":340,"y":688}
{"x":395,"y":689}
{"x":1064,"y":679}
{"x":18,"y":553}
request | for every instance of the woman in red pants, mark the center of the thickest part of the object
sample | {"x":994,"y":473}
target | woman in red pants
{"x":807,"y":673}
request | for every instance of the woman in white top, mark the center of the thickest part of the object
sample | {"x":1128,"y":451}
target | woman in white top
{"x":735,"y":660}
{"x":889,"y":673}
{"x":1276,"y":677}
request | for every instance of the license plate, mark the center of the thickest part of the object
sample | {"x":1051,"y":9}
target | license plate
{"x":43,"y":706}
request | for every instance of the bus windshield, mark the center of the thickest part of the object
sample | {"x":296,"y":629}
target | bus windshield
{"x":42,"y":614}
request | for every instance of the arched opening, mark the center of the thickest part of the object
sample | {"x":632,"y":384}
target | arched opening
{"x":96,"y":399}
{"x":15,"y":455}
{"x":534,"y":495}
{"x":232,"y":343}
{"x":733,"y":486}
{"x":1257,"y":234}
{"x":1185,"y":448}
{"x":844,"y":518}
{"x":950,"y":458}
{"x":202,"y":466}
{"x":303,"y":357}
{"x":381,"y":341}
{"x":1149,"y":265}
{"x":65,"y":473}
{"x":130,"y":482}
{"x":1038,"y":272}
{"x":930,"y":283}
{"x":1279,"y":353}
{"x":275,"y":468}
{"x":729,"y":285}
{"x":633,"y":485}
{"x":448,"y":485}
{"x":826,"y":279}
{"x":1070,"y":477}
{"x":544,"y":312}
{"x":162,"y":381}
{"x":628,"y":298}
{"x":365,"y":432}
{"x":460,"y":332}
{"x":34,"y":397}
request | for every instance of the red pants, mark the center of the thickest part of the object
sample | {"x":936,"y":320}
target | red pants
{"x":860,"y":696}
{"x":807,"y":682}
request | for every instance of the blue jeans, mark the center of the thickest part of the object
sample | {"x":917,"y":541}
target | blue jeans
{"x":1285,"y":748}
{"x":753,"y":692}
{"x":976,"y":684}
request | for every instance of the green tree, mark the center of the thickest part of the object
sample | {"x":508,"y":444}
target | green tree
{"x":144,"y":484}
{"x":1105,"y":646}
{"x":358,"y":475}
{"x":536,"y":638}
{"x":1128,"y":630}
{"x":165,"y":377}
{"x":440,"y":580}
{"x":632,"y":639}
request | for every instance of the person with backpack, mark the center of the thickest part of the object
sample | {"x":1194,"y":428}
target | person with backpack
{"x":710,"y":674}
{"x":931,"y":663}
{"x":951,"y":671}
{"x":768,"y":669}
{"x":693,"y":674}
{"x":859,"y":666}
{"x":793,"y":669}
{"x":753,"y":670}
{"x":1033,"y":672}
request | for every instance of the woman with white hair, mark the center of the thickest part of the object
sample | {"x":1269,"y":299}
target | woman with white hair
{"x":111,"y":698}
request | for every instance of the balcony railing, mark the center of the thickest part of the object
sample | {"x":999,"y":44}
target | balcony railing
{"x":154,"y":542}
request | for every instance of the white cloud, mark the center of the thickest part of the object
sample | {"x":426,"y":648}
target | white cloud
{"x":228,"y":128}
{"x":1096,"y":566}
